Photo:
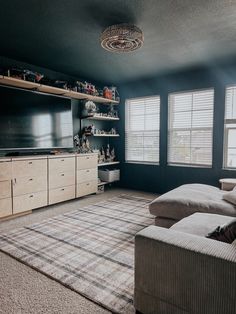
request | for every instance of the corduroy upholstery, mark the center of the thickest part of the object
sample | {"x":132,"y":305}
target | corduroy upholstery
{"x":178,"y":272}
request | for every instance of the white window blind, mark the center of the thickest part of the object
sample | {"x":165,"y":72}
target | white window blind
{"x":230,"y":128}
{"x":142,"y":128}
{"x":190,"y":128}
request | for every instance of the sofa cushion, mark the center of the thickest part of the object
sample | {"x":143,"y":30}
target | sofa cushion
{"x":230,"y":197}
{"x":191,"y":198}
{"x":224,"y":233}
{"x":201,"y":224}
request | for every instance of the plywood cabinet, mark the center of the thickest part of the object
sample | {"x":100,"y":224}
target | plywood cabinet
{"x":61,"y":179}
{"x":31,"y":182}
{"x":86,"y":175}
{"x":5,"y":187}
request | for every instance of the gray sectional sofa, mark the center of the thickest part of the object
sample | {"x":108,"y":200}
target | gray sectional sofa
{"x":179,"y":270}
{"x":185,"y":200}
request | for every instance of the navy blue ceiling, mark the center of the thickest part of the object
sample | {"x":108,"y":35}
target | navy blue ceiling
{"x":64,"y":35}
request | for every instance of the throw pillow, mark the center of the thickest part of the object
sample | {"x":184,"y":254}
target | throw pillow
{"x":225,"y":233}
{"x":230,"y":197}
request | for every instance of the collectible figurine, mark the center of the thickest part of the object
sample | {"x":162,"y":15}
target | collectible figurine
{"x":112,"y":156}
{"x":108,"y":153}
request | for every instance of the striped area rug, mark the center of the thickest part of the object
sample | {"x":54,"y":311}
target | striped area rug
{"x":90,"y":250}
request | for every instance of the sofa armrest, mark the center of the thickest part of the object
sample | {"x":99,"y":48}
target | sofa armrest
{"x":190,"y":273}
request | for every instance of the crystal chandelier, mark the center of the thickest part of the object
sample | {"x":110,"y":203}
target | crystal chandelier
{"x":122,"y":38}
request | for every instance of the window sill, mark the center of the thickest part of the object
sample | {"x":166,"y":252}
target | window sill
{"x":143,"y":163}
{"x":229,"y":169}
{"x":190,"y":166}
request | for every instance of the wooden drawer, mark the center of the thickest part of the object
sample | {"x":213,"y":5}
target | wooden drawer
{"x":61,"y":194}
{"x":29,"y":168}
{"x":87,"y":162}
{"x":5,"y":170}
{"x":5,"y":189}
{"x":86,"y":188}
{"x":26,"y":185}
{"x":5,"y":207}
{"x":26,"y":202}
{"x":60,"y":165}
{"x":87,"y":175}
{"x":63,"y":179}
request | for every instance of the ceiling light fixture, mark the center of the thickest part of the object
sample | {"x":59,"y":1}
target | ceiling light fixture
{"x":122,"y":38}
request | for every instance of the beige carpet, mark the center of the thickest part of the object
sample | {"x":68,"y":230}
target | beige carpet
{"x":24,"y":290}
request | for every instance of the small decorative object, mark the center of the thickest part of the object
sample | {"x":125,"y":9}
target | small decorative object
{"x":113,"y":131}
{"x":103,"y":156}
{"x":112,"y":155}
{"x":108,"y":153}
{"x":122,"y":38}
{"x":76,"y":140}
{"x":84,"y":146}
{"x":112,"y":112}
{"x":107,"y":93}
{"x":90,"y":106}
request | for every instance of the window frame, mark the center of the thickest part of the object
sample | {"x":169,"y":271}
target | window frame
{"x":147,"y":163}
{"x":226,"y":131}
{"x":190,"y":165}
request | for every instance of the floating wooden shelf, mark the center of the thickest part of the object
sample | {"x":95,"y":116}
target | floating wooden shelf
{"x":101,"y":118}
{"x":104,"y":183}
{"x":14,"y":82}
{"x":106,"y":135}
{"x":108,"y":163}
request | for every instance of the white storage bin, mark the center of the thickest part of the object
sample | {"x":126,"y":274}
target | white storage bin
{"x":109,"y":175}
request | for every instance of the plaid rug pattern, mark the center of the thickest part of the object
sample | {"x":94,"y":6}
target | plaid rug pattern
{"x":90,"y":250}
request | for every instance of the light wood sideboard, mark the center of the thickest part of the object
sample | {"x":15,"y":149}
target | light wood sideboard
{"x":31,"y":182}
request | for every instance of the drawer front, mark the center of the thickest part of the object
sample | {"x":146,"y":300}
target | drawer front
{"x":29,"y":168}
{"x":5,"y":170}
{"x":87,"y":162}
{"x":5,"y":189}
{"x":26,"y":202}
{"x":63,"y":179}
{"x":86,"y":188}
{"x":61,"y":194}
{"x":87,"y":175}
{"x":5,"y":207}
{"x":59,"y":165}
{"x":26,"y":185}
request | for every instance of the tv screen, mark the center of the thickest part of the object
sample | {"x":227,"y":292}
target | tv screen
{"x":34,"y":120}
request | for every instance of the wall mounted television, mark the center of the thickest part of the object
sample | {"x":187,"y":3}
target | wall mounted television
{"x":32,"y":120}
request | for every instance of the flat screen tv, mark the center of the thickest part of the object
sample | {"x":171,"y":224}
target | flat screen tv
{"x":30,"y":120}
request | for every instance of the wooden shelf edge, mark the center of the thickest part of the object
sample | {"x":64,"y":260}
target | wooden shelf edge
{"x":11,"y":81}
{"x":101,"y":118}
{"x":105,"y":135}
{"x":108,"y":163}
{"x":104,"y":183}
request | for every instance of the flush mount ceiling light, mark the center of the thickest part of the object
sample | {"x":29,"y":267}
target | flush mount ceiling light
{"x":122,"y":38}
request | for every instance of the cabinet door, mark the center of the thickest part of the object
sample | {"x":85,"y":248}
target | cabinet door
{"x":26,"y":185}
{"x":60,"y":165}
{"x":87,"y":162}
{"x":5,"y":170}
{"x":27,"y":202}
{"x":29,"y":168}
{"x":86,"y":188}
{"x":61,"y":194}
{"x":5,"y":189}
{"x":87,"y":175}
{"x":5,"y":207}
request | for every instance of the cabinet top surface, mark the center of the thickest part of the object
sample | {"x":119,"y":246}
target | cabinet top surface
{"x":64,"y":155}
{"x":228,"y":180}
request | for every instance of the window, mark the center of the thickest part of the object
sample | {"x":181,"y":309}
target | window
{"x":142,"y":124}
{"x":230,"y":128}
{"x":190,"y":128}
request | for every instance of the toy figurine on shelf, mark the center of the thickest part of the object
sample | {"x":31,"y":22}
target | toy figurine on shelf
{"x":76,"y":140}
{"x":108,"y":153}
{"x":112,"y":112}
{"x":107,"y":93}
{"x":103,"y":156}
{"x":113,"y":131}
{"x":112,"y":155}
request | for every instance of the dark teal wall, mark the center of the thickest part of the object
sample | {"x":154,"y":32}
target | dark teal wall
{"x":162,"y":178}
